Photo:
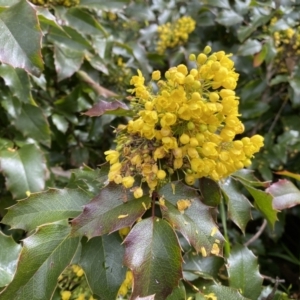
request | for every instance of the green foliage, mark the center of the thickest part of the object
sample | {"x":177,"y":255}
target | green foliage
{"x":65,"y":68}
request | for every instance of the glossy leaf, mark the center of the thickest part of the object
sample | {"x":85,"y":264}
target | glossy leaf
{"x":239,"y":207}
{"x":196,"y":266}
{"x":210,"y":191}
{"x":218,"y":3}
{"x":285,"y":194}
{"x":247,"y":176}
{"x":228,"y":18}
{"x":84,"y":22}
{"x":195,"y":223}
{"x":67,"y":61}
{"x":47,"y":207}
{"x":24,"y":170}
{"x":250,"y":47}
{"x":153,"y":254}
{"x":9,"y":253}
{"x":103,"y":4}
{"x":32,"y":122}
{"x":224,"y":292}
{"x":44,"y":256}
{"x":21,"y":50}
{"x":289,"y":174}
{"x":243,"y":272}
{"x":114,"y":208}
{"x":263,"y":202}
{"x":178,"y":293}
{"x":103,"y":107}
{"x":101,"y":259}
{"x":18,"y":82}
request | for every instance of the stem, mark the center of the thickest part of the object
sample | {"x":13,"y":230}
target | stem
{"x":258,"y":233}
{"x":223,"y":217}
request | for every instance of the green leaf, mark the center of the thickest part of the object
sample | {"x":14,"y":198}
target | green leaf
{"x":217,"y":3}
{"x":178,"y":293}
{"x":47,"y":18}
{"x":103,"y":4}
{"x":195,"y":223}
{"x":247,"y":176}
{"x":32,"y":122}
{"x":67,"y":61}
{"x":263,"y":202}
{"x":44,"y":256}
{"x":46,"y":207}
{"x":9,"y":253}
{"x":289,"y":174}
{"x":250,"y":47}
{"x":60,"y":122}
{"x":228,"y":18}
{"x":84,"y":22}
{"x":210,"y":191}
{"x":295,"y":95}
{"x":153,"y":254}
{"x":18,"y":82}
{"x":196,"y":266}
{"x":18,"y":49}
{"x":285,"y":194}
{"x":114,"y":208}
{"x":101,"y":259}
{"x":24,"y":170}
{"x":243,"y":272}
{"x":279,"y":79}
{"x":224,"y":292}
{"x":8,"y":2}
{"x":239,"y":207}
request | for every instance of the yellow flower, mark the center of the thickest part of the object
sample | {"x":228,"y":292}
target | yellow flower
{"x":138,"y":192}
{"x":128,"y":181}
{"x":65,"y":295}
{"x":156,"y":75}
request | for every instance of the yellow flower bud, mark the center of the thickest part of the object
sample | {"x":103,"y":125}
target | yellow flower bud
{"x":214,"y":97}
{"x":207,"y":50}
{"x":65,"y":295}
{"x":201,"y":59}
{"x":161,"y":174}
{"x":138,"y":193}
{"x":156,"y":75}
{"x":192,"y":57}
{"x":184,"y":139}
{"x":128,"y":182}
{"x":189,"y":179}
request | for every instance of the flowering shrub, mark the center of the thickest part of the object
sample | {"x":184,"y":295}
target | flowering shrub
{"x":187,"y":125}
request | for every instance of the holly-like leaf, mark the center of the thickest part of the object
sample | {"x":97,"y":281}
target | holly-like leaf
{"x":24,"y":170}
{"x":210,"y":191}
{"x":285,"y":194}
{"x":250,"y":47}
{"x":44,"y":256}
{"x":243,"y":272}
{"x":9,"y":253}
{"x":196,"y":266}
{"x":18,"y":82}
{"x":223,"y":292}
{"x":50,"y":206}
{"x":263,"y":202}
{"x":114,"y":208}
{"x":32,"y":122}
{"x":178,"y":293}
{"x":153,"y":254}
{"x":67,"y":61}
{"x":196,"y":222}
{"x":228,"y":18}
{"x":247,"y":176}
{"x":18,"y":49}
{"x":84,"y":22}
{"x":101,"y":259}
{"x":239,"y":207}
{"x":103,"y":107}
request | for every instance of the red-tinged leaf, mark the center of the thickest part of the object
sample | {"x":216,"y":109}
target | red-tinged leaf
{"x":263,"y":202}
{"x":285,"y":194}
{"x":103,"y":107}
{"x":114,"y":208}
{"x":259,"y":57}
{"x":210,"y":191}
{"x":153,"y":254}
{"x":196,"y":223}
{"x":289,"y":174}
{"x":239,"y":207}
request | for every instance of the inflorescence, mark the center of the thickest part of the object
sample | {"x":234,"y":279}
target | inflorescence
{"x":183,"y":129}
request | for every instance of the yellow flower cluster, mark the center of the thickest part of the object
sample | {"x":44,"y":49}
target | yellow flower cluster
{"x":126,"y":284}
{"x":173,"y":34}
{"x":186,"y":128}
{"x":66,"y":3}
{"x":287,"y":43}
